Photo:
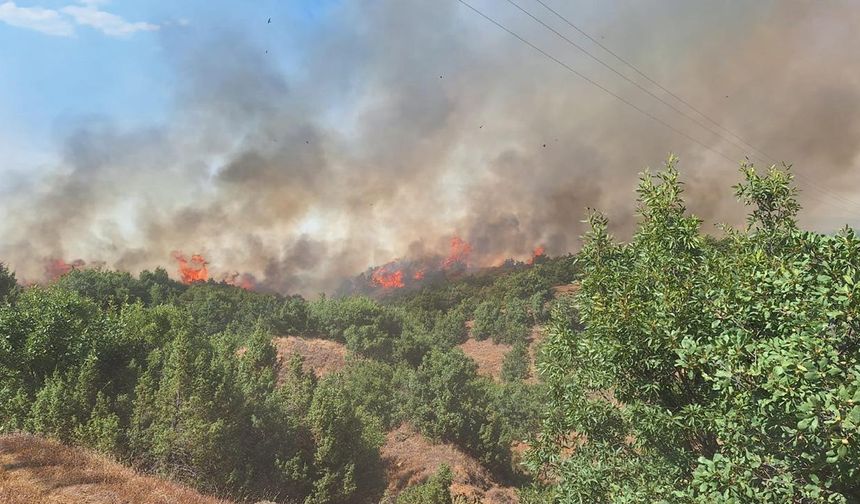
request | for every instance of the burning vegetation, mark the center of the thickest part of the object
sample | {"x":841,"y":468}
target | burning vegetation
{"x":393,"y":275}
{"x":406,"y":273}
{"x":193,"y":270}
{"x":459,"y":255}
{"x":388,"y":276}
{"x":55,"y":268}
{"x":538,"y":253}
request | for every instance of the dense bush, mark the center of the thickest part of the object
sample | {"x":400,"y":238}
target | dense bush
{"x":708,"y":370}
{"x":515,"y":367}
{"x":374,"y":387}
{"x":488,"y":321}
{"x":151,"y":386}
{"x":183,"y":380}
{"x":8,"y":284}
{"x":448,"y":401}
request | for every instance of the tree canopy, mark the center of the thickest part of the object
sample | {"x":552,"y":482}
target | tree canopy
{"x":703,"y":369}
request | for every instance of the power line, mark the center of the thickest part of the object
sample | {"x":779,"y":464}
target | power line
{"x":852,"y":205}
{"x":631,"y":81}
{"x":763,"y":155}
{"x":652,"y":81}
{"x":595,"y":83}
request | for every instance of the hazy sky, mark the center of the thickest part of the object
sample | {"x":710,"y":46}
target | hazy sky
{"x":348,"y":133}
{"x":62,"y":62}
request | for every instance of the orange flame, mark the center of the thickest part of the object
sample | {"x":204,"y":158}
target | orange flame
{"x":194,"y":270}
{"x":418,"y":275}
{"x":460,"y":250}
{"x":387,"y":277}
{"x":242,"y":280}
{"x":55,"y":268}
{"x":538,"y":252}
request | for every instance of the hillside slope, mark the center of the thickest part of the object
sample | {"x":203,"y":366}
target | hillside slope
{"x":411,"y":458}
{"x":36,"y":470}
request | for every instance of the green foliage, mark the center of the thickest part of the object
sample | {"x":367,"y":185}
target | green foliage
{"x":330,"y":318}
{"x":335,"y":425}
{"x":217,"y":308}
{"x":8,"y":285}
{"x":517,"y":321}
{"x":515,"y":367}
{"x":448,"y":401}
{"x":434,"y":491}
{"x":537,"y":307}
{"x":518,"y":404}
{"x":488,"y":321}
{"x":183,"y":380}
{"x":373,"y":386}
{"x":449,"y":328}
{"x":707,"y":371}
{"x":109,"y":288}
{"x":150,"y":385}
{"x":508,"y":322}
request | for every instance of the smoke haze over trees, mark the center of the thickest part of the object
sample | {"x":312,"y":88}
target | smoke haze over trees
{"x":400,"y":124}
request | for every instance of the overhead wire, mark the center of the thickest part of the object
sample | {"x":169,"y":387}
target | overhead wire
{"x":741,"y":143}
{"x":764,"y":156}
{"x":595,"y":83}
{"x":848,"y":204}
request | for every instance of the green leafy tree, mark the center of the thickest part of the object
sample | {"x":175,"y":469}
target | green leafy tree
{"x":8,"y":284}
{"x":108,"y":288}
{"x":346,"y":461}
{"x":489,"y":321}
{"x":515,"y":367}
{"x":705,"y":370}
{"x":447,"y":401}
{"x":517,"y":322}
{"x":372,"y":386}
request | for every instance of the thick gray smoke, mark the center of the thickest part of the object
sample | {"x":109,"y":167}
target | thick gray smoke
{"x":408,"y":122}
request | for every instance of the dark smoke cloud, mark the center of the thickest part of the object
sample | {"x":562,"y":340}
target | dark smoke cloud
{"x":407,"y":122}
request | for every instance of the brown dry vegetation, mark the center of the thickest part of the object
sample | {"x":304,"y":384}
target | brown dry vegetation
{"x":411,"y":458}
{"x":561,"y":290}
{"x":489,"y":356}
{"x":321,"y":356}
{"x":35,"y":470}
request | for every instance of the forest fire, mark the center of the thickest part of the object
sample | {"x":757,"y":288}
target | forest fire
{"x":193,"y":270}
{"x":388,"y":277}
{"x":245,"y":281}
{"x":539,"y":251}
{"x":55,"y":268}
{"x":459,"y":254}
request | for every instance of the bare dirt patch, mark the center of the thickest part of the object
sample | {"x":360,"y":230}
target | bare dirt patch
{"x":321,"y":356}
{"x":36,"y":470}
{"x":411,"y":458}
{"x":487,"y":354}
{"x":565,"y":290}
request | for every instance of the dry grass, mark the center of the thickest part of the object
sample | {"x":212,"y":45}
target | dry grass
{"x":566,"y":289}
{"x":35,"y":470}
{"x":489,"y":356}
{"x":411,"y":459}
{"x":321,"y":356}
